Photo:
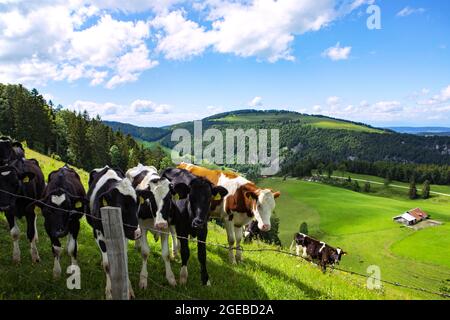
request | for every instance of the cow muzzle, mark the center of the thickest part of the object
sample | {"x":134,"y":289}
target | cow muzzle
{"x":137,"y":233}
{"x":5,"y":208}
{"x":161,"y":225}
{"x":198,"y":223}
{"x":61,"y":233}
{"x":264,"y":227}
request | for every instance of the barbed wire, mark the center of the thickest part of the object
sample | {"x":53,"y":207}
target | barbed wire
{"x":397,"y":284}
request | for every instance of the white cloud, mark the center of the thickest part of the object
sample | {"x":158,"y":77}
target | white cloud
{"x":256,"y":102}
{"x":264,"y":29}
{"x":180,"y":38}
{"x":442,"y":97}
{"x":317,"y":108}
{"x":57,"y":40}
{"x":214,"y":109}
{"x":147,"y":106}
{"x":337,"y":52}
{"x":407,"y":11}
{"x":386,"y":107}
{"x":46,"y":42}
{"x":138,"y":110}
{"x":333,"y":100}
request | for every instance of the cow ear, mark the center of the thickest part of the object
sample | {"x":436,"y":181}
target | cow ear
{"x":26,"y":177}
{"x":251,"y":195}
{"x":17,"y":144}
{"x":143,"y":195}
{"x":35,"y":207}
{"x":219,"y":192}
{"x":276,"y":194}
{"x":181,"y":189}
{"x":79,"y":202}
{"x":105,"y":199}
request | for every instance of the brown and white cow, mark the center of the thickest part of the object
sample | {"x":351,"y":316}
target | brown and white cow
{"x":244,"y":203}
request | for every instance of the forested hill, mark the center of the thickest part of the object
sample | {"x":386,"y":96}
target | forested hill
{"x":318,"y":137}
{"x":72,"y":137}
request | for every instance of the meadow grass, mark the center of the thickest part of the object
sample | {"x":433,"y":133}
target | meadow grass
{"x":362,"y":225}
{"x":262,"y":275}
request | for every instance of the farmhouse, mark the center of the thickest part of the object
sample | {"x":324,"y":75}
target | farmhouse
{"x":411,"y":217}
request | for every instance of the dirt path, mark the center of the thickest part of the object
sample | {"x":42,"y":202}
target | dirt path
{"x":391,"y":185}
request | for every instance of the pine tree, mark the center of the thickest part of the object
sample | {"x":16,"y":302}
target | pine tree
{"x":367,"y":187}
{"x":304,"y":228}
{"x":426,"y":189}
{"x":412,"y":189}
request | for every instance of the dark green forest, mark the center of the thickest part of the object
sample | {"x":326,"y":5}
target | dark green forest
{"x":72,"y":137}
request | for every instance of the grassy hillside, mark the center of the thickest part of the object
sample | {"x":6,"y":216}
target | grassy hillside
{"x":263,"y":275}
{"x":305,"y":136}
{"x":276,"y":117}
{"x":362,"y":225}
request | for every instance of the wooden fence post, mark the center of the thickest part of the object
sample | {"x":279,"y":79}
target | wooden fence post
{"x":117,"y":252}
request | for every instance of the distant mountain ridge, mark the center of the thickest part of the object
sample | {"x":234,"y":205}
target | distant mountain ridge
{"x":424,"y":131}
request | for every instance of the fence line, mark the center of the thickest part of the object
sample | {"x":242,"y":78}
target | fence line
{"x":397,"y":284}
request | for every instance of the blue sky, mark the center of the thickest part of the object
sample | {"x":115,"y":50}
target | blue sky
{"x":158,"y":62}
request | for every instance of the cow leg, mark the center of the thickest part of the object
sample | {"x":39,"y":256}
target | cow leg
{"x":57,"y":250}
{"x":201,"y":252}
{"x":100,"y":240}
{"x":15,"y":235}
{"x":145,"y":251}
{"x":184,"y":249}
{"x":175,"y":243}
{"x":230,"y":234}
{"x":72,"y":244}
{"x":130,"y":287}
{"x":166,"y":257}
{"x":238,"y":233}
{"x":32,"y":237}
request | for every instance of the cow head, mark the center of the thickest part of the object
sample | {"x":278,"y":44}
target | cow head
{"x":300,"y":239}
{"x":58,"y":207}
{"x":123,"y":196}
{"x":159,"y":199}
{"x":251,"y":231}
{"x":200,"y":193}
{"x":11,"y":181}
{"x":262,"y":204}
{"x":6,"y":150}
{"x":336,"y":255}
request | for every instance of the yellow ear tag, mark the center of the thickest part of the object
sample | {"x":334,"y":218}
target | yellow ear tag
{"x":26,"y":180}
{"x":78,"y":205}
{"x":37,"y":210}
{"x":176,"y":196}
{"x":105,"y":203}
{"x":141,"y":200}
{"x":217,"y":197}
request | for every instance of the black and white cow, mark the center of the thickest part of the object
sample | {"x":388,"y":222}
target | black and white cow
{"x":25,"y":178}
{"x":109,"y":187}
{"x":154,"y":215}
{"x":317,"y":250}
{"x":63,"y":205}
{"x":251,"y":231}
{"x":191,"y":214}
{"x":10,"y":151}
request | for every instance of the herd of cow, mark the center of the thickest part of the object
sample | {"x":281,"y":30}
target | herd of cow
{"x":176,"y":202}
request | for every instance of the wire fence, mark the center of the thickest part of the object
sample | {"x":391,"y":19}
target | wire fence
{"x":222,"y":246}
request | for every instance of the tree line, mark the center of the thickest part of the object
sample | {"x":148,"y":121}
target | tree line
{"x":72,"y":137}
